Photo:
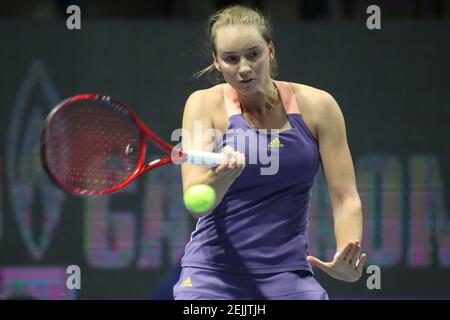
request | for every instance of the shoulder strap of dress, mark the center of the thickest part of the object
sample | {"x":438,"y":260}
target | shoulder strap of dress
{"x":284,"y":88}
{"x":231,"y":100}
{"x":287,"y":97}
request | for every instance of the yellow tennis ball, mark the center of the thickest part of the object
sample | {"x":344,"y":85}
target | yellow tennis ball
{"x":199,"y":198}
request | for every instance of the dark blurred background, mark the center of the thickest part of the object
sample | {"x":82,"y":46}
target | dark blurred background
{"x":392,"y":84}
{"x":290,"y":10}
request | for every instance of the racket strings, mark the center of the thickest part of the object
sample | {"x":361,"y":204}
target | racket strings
{"x":87,"y":146}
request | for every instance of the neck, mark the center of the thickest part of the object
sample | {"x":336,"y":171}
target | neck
{"x":261,"y":101}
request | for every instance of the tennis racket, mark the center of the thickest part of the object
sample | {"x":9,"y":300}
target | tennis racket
{"x":93,"y":144}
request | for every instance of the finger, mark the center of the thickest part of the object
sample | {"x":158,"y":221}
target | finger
{"x":235,"y":161}
{"x":241,"y":159}
{"x":361,"y":261}
{"x":355,"y":256}
{"x":229,"y":155}
{"x":344,"y":252}
{"x":230,"y":169}
{"x":223,"y":167}
{"x":225,"y":152}
{"x":232,"y":159}
{"x":317,"y":263}
{"x":350,"y":253}
{"x":227,"y":149}
{"x":218,"y":170}
{"x":223,"y":171}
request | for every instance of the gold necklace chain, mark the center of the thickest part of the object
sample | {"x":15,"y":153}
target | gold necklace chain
{"x":249,"y":122}
{"x":248,"y":118}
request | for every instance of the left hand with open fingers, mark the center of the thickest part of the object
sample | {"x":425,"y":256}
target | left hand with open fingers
{"x":347,"y":264}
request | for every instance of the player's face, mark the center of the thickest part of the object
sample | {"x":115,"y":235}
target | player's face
{"x":243,"y":56}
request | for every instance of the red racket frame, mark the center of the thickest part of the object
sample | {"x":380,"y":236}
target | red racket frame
{"x":176,"y":154}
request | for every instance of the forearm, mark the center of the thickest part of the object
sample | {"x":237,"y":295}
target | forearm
{"x":348,"y":221}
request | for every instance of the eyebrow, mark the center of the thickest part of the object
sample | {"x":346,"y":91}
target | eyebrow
{"x":228,"y":52}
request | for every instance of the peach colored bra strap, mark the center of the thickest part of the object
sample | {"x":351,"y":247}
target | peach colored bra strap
{"x":231,"y":100}
{"x":284,"y":88}
{"x":287,"y":97}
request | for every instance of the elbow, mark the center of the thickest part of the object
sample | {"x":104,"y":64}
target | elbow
{"x":340,"y":195}
{"x":351,"y":203}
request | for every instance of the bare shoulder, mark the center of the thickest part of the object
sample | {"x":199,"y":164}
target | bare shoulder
{"x":208,"y":105}
{"x":319,"y":105}
{"x":207,"y":99}
{"x":311,"y":97}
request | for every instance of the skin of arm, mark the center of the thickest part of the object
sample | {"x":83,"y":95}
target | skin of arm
{"x":196,"y":116}
{"x":339,"y":172}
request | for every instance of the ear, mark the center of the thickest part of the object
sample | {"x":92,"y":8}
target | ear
{"x":271,"y":50}
{"x":216,"y":62}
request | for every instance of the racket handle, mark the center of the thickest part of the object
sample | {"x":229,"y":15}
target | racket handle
{"x":203,"y":158}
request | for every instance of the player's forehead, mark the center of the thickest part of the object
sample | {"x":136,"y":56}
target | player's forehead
{"x":238,"y":38}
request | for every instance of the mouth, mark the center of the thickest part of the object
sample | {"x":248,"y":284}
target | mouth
{"x":246,"y":81}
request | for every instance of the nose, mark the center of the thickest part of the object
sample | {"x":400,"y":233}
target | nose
{"x":244,"y":67}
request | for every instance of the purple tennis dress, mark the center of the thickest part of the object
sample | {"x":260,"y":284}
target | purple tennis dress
{"x":255,"y":242}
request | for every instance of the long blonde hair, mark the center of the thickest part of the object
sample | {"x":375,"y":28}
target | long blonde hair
{"x":236,"y":14}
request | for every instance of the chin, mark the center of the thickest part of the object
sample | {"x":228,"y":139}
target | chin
{"x":246,"y":91}
{"x":247,"y":88}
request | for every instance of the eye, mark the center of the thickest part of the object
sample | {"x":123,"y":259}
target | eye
{"x":230,"y":59}
{"x":253,"y":54}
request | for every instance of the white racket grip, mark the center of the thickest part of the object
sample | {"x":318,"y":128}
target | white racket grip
{"x":203,"y":158}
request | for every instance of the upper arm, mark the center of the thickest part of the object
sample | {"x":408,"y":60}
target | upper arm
{"x":196,"y":134}
{"x":334,"y":150}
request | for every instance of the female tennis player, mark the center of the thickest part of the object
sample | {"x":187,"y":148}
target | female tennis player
{"x":253,"y":244}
